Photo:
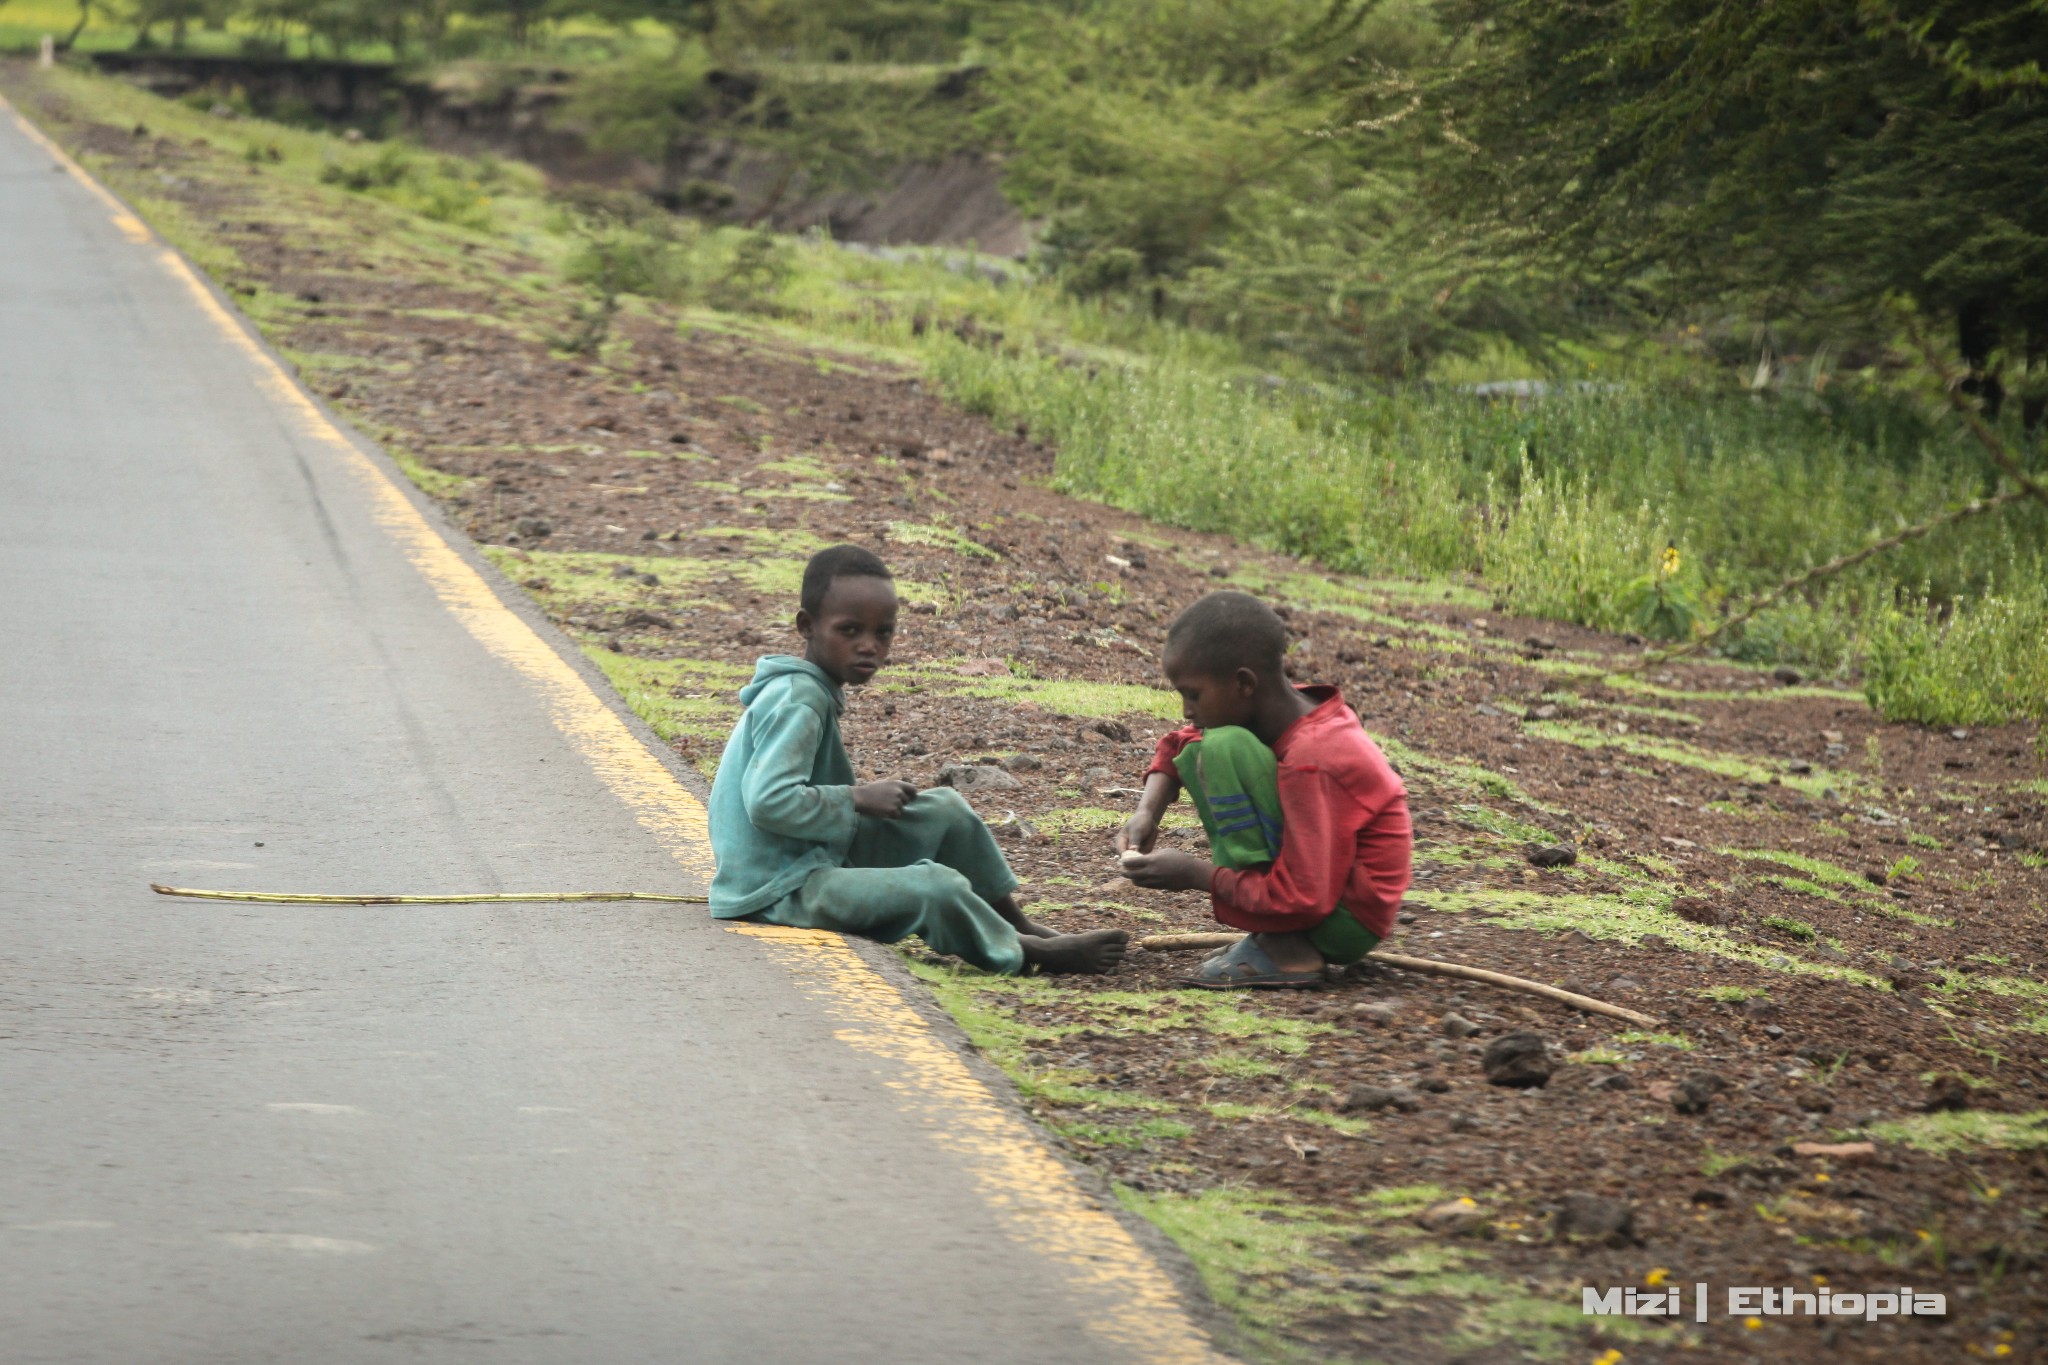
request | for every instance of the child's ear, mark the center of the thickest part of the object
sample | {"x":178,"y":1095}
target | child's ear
{"x":1246,"y":682}
{"x":804,"y":623}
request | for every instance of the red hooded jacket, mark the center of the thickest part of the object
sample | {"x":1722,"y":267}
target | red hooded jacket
{"x":1345,"y":835}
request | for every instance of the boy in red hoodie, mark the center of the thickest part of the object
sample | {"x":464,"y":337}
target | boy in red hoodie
{"x":1308,"y":829}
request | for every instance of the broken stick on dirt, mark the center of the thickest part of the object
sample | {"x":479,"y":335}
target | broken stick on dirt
{"x":1180,"y":943}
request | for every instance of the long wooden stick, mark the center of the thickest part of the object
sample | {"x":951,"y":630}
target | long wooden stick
{"x":478,"y":898}
{"x":1176,"y":943}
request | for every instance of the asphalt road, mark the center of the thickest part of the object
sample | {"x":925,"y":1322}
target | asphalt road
{"x":238,"y":1133}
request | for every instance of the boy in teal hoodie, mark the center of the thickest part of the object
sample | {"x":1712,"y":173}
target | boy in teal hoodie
{"x":800,"y":843}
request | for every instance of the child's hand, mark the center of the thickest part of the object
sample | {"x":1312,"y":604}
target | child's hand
{"x":883,"y":800}
{"x":1138,"y":832}
{"x":1168,"y":870}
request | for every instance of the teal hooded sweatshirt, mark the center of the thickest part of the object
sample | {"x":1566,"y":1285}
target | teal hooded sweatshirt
{"x":782,"y":804}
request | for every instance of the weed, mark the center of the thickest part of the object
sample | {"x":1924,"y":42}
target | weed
{"x":1961,"y":1130}
{"x":1796,"y":928}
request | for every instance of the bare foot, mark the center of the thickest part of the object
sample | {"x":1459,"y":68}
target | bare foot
{"x":1008,"y":908}
{"x":1099,"y":951}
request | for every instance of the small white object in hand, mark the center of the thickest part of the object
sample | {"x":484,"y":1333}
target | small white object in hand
{"x":1129,"y":856}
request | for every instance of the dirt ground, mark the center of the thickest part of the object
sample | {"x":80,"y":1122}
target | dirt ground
{"x":1838,"y":921}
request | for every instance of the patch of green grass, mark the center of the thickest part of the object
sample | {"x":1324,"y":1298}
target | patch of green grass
{"x":1919,"y":840}
{"x":1051,"y":694}
{"x":1734,"y":767}
{"x":1626,"y":918}
{"x":1819,"y":869}
{"x":1139,"y":1133}
{"x":1786,"y":924}
{"x":940,"y":536}
{"x":1677,"y":1040}
{"x":1966,"y":1130}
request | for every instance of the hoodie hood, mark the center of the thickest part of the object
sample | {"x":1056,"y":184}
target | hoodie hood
{"x":773,"y":666}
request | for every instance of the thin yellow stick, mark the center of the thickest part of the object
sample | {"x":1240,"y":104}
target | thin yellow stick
{"x":480,"y":898}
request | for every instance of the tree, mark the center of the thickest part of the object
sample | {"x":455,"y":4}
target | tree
{"x":1807,"y":155}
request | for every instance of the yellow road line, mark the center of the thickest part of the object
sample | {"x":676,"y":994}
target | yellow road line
{"x":1120,"y":1289}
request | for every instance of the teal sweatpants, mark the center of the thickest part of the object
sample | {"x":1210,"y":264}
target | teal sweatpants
{"x":1233,"y":780}
{"x":931,"y":872}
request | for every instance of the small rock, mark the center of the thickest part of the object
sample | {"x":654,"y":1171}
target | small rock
{"x":1624,"y":985}
{"x":1653,"y":941}
{"x":1613,"y":1080}
{"x":1455,"y":1218}
{"x":1832,"y":736}
{"x":1695,"y":1094}
{"x":1592,"y":1215}
{"x":1798,"y":767}
{"x":1097,"y":774}
{"x":1462,"y":1123}
{"x":1700,"y":910}
{"x":1787,"y":675}
{"x":1554,"y":855}
{"x":1435,"y":1085}
{"x":1947,"y":1094}
{"x":1544,"y":712}
{"x":1113,"y":729}
{"x":1023,"y":763}
{"x":1773,"y":1032}
{"x":1456,"y":1026}
{"x":1003,"y":611}
{"x":533,"y":528}
{"x":1371,"y":1098}
{"x":1377,"y":1013}
{"x":1814,"y":1102}
{"x":1405,"y":917}
{"x":1710,"y":1198}
{"x":1521,"y":1060}
{"x":1959,"y":734}
{"x":976,"y":777}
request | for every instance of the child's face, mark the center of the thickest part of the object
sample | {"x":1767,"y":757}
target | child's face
{"x":1208,"y":702}
{"x":850,"y":636}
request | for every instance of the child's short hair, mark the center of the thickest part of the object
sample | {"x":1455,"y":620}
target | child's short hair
{"x":837,"y":561}
{"x":1226,"y":631}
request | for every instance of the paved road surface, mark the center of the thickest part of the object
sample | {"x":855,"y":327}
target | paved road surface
{"x":578,"y":1134}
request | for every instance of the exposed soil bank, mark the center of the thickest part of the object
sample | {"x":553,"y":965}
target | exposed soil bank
{"x":468,"y":109}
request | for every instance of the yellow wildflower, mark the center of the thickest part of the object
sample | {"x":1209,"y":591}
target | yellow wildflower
{"x":1656,"y":1277}
{"x":1752,"y":1323}
{"x":1669,"y":563}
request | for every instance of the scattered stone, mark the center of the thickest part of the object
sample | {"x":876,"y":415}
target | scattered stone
{"x":1456,"y":1026}
{"x":1097,"y":774}
{"x":1700,"y":910}
{"x":1521,"y":1060}
{"x":533,"y":528}
{"x":1787,"y":675}
{"x":1624,"y":985}
{"x":646,"y":620}
{"x":1592,"y":1215}
{"x":1947,"y":1094}
{"x":1454,"y":1218}
{"x":1695,"y":1094}
{"x":1613,"y":1080}
{"x":1554,"y":855}
{"x":1836,"y":1151}
{"x":1023,"y":763}
{"x":1405,"y":917}
{"x":1579,"y":938}
{"x":1113,"y":729}
{"x":1798,"y":767}
{"x":1003,"y":611}
{"x":1435,"y":1085}
{"x":1462,"y":1123}
{"x":976,"y":777}
{"x":1959,"y":734}
{"x":1372,"y":1098}
{"x":1653,"y":941}
{"x":1814,"y":1102}
{"x":1711,"y":1198}
{"x":1543,"y":712}
{"x":1376,"y":1013}
{"x":1673,"y":841}
{"x":1832,"y":737}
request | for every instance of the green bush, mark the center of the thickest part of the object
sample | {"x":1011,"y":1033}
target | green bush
{"x":1984,"y":664}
